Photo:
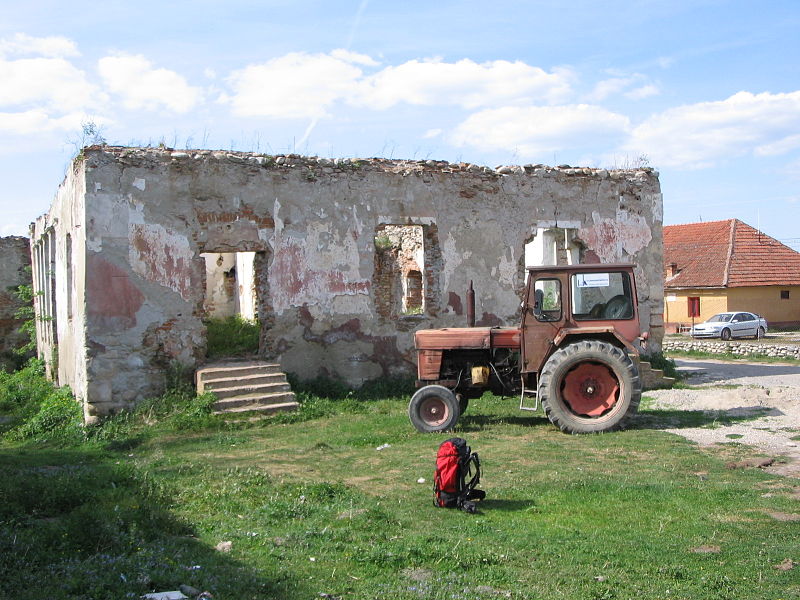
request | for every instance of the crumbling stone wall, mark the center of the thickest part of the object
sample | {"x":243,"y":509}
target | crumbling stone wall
{"x":14,"y":272}
{"x":140,"y":220}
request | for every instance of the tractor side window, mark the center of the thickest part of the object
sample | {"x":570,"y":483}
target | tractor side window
{"x":547,"y":300}
{"x":601,"y":296}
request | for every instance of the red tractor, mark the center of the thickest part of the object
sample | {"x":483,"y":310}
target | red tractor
{"x":576,"y":352}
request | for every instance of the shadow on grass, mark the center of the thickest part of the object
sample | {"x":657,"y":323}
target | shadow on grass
{"x":645,"y":419}
{"x":75,"y":523}
{"x":506,"y":505}
{"x":477,"y":422}
{"x":679,"y":419}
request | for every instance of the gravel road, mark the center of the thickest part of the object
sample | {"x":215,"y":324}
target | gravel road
{"x":756,"y":404}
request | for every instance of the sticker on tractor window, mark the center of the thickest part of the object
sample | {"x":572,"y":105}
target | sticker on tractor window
{"x":592,"y":280}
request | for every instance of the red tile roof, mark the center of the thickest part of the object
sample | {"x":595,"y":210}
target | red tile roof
{"x":726,"y":254}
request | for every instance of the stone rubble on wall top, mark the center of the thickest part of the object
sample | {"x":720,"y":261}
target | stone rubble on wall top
{"x":390,"y":165}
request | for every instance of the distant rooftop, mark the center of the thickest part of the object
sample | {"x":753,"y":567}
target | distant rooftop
{"x":727,"y":253}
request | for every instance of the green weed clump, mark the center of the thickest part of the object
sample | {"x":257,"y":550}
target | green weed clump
{"x":657,"y":360}
{"x":232,"y":336}
{"x":21,"y":392}
{"x":59,"y":419}
{"x":37,"y":410}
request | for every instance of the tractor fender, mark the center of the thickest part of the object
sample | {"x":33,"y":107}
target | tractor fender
{"x":583,"y":332}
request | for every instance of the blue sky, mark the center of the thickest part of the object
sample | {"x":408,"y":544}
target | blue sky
{"x":707,"y":92}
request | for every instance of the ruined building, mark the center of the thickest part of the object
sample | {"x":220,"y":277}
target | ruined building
{"x":15,"y":262}
{"x":339,"y":260}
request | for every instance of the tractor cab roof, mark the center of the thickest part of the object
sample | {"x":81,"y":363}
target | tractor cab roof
{"x":581,"y":268}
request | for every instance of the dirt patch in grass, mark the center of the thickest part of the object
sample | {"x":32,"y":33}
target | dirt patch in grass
{"x":782,"y":516}
{"x":735,"y":404}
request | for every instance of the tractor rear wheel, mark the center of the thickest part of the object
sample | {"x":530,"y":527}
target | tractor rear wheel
{"x":433,"y":408}
{"x":589,"y":386}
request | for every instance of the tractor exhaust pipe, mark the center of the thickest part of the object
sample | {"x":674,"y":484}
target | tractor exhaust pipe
{"x":470,"y":306}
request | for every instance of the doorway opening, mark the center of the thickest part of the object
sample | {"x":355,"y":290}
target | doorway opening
{"x":236,"y":303}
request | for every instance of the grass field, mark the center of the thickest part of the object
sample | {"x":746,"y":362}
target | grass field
{"x":311,"y":508}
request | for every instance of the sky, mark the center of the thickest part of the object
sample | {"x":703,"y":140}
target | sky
{"x":707,"y":92}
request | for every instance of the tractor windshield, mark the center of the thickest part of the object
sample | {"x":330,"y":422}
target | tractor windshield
{"x":601,"y":296}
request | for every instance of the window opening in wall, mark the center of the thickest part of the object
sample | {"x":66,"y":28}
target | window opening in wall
{"x":399,"y":285}
{"x":68,"y":260}
{"x":234,"y":302}
{"x":784,"y":294}
{"x":412,"y":299}
{"x":694,"y":307}
{"x":553,"y":246}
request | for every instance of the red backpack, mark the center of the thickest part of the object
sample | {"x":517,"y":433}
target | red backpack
{"x":458,"y":471}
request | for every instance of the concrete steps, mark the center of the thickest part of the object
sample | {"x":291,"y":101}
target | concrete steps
{"x":246,"y":387}
{"x":653,"y":379}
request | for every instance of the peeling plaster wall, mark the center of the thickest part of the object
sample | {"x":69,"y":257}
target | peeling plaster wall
{"x":150,"y":213}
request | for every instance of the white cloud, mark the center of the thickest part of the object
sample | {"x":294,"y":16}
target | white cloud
{"x":699,"y":135}
{"x":645,"y":91}
{"x":14,"y":229}
{"x":464,"y":83}
{"x":781,"y":146}
{"x":607,"y":87}
{"x":140,"y":85}
{"x":297,"y":85}
{"x":45,"y":82}
{"x":354,"y":57}
{"x":431,"y":133}
{"x":301,"y":85}
{"x":38,"y":121}
{"x":619,"y":84}
{"x":535,"y":130}
{"x":665,"y":62}
{"x":52,"y":47}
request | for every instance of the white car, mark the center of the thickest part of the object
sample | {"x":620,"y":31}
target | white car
{"x":729,"y":325}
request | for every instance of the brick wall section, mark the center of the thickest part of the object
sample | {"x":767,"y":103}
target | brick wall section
{"x":16,"y":258}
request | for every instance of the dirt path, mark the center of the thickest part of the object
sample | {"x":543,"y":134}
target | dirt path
{"x":757,"y":404}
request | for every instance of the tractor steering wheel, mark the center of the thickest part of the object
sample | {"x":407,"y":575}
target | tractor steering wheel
{"x":619,"y":307}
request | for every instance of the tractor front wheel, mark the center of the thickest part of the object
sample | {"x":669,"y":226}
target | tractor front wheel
{"x":433,"y":408}
{"x":589,"y":386}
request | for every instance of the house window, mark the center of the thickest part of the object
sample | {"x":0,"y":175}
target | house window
{"x":784,"y":294}
{"x":694,"y":306}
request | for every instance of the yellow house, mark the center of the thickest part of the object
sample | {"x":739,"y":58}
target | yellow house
{"x":728,"y":266}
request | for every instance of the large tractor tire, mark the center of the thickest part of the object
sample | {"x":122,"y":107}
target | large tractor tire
{"x":433,"y":408}
{"x":589,"y":386}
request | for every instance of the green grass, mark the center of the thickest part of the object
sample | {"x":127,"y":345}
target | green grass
{"x":727,"y":356}
{"x":232,"y":336}
{"x":311,"y":507}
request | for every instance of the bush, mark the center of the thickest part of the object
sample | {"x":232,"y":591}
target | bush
{"x":23,"y":391}
{"x":59,"y":419}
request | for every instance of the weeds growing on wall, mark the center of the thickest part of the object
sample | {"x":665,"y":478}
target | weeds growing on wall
{"x":27,"y":315}
{"x":232,"y":336}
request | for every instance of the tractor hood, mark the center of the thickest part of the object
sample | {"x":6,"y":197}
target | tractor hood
{"x":467,"y":338}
